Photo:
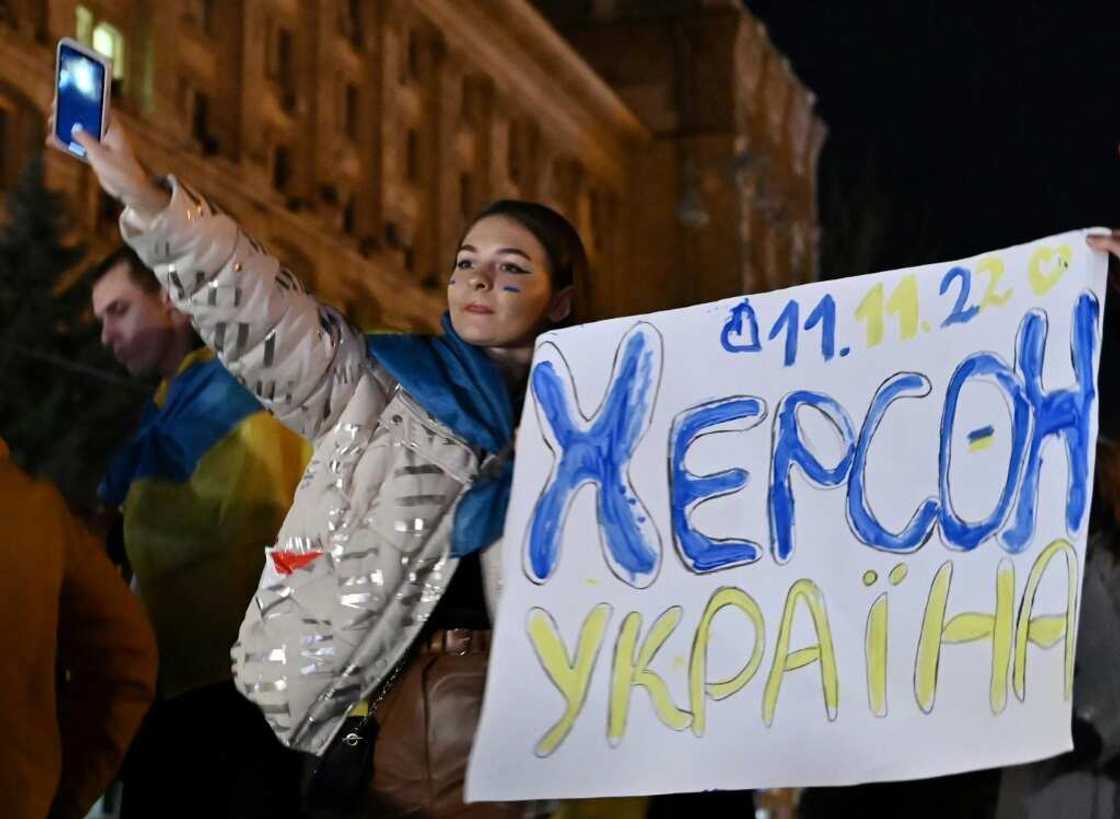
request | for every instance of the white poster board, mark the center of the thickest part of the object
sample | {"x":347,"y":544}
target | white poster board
{"x":820,"y":536}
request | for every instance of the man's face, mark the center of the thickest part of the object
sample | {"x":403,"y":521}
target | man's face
{"x":135,"y":324}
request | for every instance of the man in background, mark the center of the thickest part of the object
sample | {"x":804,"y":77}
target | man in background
{"x":203,"y":488}
{"x":80,"y":662}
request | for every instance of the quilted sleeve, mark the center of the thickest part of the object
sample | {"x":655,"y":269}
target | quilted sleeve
{"x":301,"y":358}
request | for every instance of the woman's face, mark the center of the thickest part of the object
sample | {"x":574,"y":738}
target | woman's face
{"x":500,"y":292}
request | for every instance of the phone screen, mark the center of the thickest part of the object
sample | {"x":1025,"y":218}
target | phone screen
{"x":81,"y":92}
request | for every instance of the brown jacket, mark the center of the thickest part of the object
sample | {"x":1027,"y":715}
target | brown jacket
{"x":79,"y":663}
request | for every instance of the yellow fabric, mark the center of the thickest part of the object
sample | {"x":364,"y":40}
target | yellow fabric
{"x":626,"y":807}
{"x":197,"y":548}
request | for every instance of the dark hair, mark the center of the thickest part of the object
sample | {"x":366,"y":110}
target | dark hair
{"x":141,"y":275}
{"x":567,"y":259}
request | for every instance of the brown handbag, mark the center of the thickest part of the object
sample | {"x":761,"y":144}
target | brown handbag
{"x":427,"y":724}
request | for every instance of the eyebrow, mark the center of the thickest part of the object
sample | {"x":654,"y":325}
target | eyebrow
{"x":106,"y":308}
{"x":513,"y":251}
{"x":505,"y":250}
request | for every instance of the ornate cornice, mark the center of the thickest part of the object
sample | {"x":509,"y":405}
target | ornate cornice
{"x":510,"y":41}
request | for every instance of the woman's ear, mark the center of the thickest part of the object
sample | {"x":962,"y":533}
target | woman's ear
{"x":561,"y":305}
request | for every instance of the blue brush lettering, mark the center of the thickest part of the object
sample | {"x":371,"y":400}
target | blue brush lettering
{"x":740,"y":313}
{"x":959,"y":533}
{"x":1067,"y":413}
{"x":825,"y":315}
{"x":959,"y":315}
{"x":863,"y":521}
{"x":598,"y":451}
{"x":790,"y":321}
{"x":687,"y":491}
{"x":789,"y":449}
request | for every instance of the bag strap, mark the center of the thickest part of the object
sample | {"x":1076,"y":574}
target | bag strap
{"x":373,"y":702}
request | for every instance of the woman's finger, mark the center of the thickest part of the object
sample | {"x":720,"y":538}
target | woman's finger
{"x":104,"y":161}
{"x":1109,"y":243}
{"x":115,"y":139}
{"x":89,"y":143}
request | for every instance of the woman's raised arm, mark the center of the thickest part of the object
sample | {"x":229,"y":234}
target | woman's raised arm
{"x":301,"y":358}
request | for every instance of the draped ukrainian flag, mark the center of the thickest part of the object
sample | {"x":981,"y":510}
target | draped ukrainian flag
{"x":203,"y":486}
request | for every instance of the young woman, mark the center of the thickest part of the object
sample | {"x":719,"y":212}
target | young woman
{"x":397,"y":519}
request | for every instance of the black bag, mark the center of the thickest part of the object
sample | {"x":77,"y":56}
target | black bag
{"x":339,"y":779}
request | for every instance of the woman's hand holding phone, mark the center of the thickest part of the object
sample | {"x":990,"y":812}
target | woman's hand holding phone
{"x":80,"y":125}
{"x":120,"y":173}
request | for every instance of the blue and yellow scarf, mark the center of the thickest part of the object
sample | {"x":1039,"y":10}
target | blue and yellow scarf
{"x":203,"y":404}
{"x":464,"y":389}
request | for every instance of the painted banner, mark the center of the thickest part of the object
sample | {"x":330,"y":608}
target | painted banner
{"x":820,"y":536}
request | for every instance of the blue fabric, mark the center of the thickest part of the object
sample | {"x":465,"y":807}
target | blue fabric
{"x":204,"y":403}
{"x":462,"y":387}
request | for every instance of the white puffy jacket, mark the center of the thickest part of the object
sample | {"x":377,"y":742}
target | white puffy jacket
{"x":378,"y":497}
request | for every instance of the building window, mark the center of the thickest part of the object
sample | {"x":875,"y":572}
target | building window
{"x":410,"y":64}
{"x":349,"y":216}
{"x":200,"y":123}
{"x":280,"y":66}
{"x":595,"y":217}
{"x":284,"y":67}
{"x":108,"y":40}
{"x":413,"y":56}
{"x":281,"y":168}
{"x":83,"y":25}
{"x":474,"y":100}
{"x":466,"y":196}
{"x":202,"y":13}
{"x":412,"y":156}
{"x":514,"y":153}
{"x":207,"y":14}
{"x":5,"y":151}
{"x":468,"y":103}
{"x":393,"y":235}
{"x":102,"y":37}
{"x":350,"y":111}
{"x":350,"y":22}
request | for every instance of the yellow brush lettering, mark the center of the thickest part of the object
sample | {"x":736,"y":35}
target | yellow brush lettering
{"x":929,"y":640}
{"x":572,"y":679}
{"x":699,"y":687}
{"x":993,"y":266}
{"x":904,"y":304}
{"x":870,"y":310}
{"x":1044,"y":270}
{"x":875,"y":656}
{"x":784,"y":660}
{"x":1047,"y":629}
{"x":630,"y":670}
{"x":966,"y":628}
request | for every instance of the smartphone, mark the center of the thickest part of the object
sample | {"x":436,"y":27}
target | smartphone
{"x":82,"y":82}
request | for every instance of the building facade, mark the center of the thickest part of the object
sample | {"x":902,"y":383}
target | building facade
{"x":355,"y":138}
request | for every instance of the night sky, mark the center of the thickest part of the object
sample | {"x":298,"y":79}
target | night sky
{"x":956,"y":128}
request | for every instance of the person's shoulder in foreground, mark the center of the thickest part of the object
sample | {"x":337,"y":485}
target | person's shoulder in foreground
{"x":69,"y":611}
